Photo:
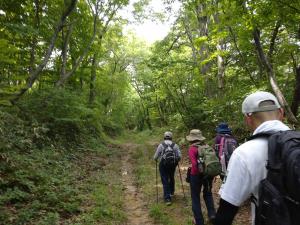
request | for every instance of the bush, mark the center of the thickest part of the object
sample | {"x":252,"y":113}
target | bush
{"x":63,"y":114}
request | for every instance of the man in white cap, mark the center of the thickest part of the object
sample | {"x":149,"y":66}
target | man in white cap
{"x":168,"y":154}
{"x":247,"y":165}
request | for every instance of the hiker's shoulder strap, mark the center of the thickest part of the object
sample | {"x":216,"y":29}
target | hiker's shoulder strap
{"x":202,"y":148}
{"x":225,"y":135}
{"x":261,"y":135}
{"x":165,"y":145}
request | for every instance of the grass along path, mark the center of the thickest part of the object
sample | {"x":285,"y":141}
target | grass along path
{"x":101,"y":189}
{"x":135,"y":206}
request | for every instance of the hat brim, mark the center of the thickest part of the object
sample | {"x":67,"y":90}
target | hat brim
{"x":220,"y":130}
{"x":195,"y":138}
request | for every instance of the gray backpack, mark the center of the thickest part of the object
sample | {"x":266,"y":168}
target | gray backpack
{"x":169,"y":156}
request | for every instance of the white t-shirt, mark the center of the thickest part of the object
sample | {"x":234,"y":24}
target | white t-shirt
{"x":247,"y":167}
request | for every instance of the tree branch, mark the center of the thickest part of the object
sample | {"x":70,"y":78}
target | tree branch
{"x":242,"y":56}
{"x":273,"y":39}
{"x":78,"y":61}
{"x":35,"y":74}
{"x":284,"y":3}
{"x":269,"y":68}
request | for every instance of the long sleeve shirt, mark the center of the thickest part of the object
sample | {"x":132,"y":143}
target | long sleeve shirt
{"x":193,"y":155}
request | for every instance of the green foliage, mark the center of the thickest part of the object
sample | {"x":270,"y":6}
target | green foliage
{"x":43,"y":183}
{"x":121,"y":82}
{"x":35,"y":183}
{"x":179,"y":82}
{"x":63,"y":114}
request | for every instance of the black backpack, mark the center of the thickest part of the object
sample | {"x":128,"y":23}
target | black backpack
{"x":169,"y":157}
{"x":279,"y":193}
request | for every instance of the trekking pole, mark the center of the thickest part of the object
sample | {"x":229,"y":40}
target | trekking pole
{"x":156,"y":182}
{"x":181,"y":181}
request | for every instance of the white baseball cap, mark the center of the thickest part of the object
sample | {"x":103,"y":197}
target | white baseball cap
{"x":252,"y":102}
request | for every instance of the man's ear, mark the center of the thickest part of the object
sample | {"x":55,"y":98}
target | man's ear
{"x":281,"y":114}
{"x":249,"y":122}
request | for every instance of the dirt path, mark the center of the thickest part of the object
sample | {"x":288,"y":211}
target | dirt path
{"x":135,"y":203}
{"x":136,"y":210}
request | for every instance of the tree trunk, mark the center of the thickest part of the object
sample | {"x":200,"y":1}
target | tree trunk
{"x":78,"y":61}
{"x":296,"y":98}
{"x":272,"y":41}
{"x":64,"y":51}
{"x":190,"y":37}
{"x":220,"y":61}
{"x":93,"y":78}
{"x":203,"y":21}
{"x":177,"y":104}
{"x":161,"y":112}
{"x":242,"y":58}
{"x":64,"y":76}
{"x":34,"y":39}
{"x":35,"y":74}
{"x":148,"y":121}
{"x":221,"y":67}
{"x":290,"y":116}
{"x":144,"y":107}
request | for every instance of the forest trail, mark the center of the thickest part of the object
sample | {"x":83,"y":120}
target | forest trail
{"x":140,"y":202}
{"x":136,"y":208}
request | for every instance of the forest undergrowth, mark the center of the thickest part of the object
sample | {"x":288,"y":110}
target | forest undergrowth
{"x":56,"y":174}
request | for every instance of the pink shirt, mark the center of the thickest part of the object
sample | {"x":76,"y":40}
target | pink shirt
{"x":193,"y":153}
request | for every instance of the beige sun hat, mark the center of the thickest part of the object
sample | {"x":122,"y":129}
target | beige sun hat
{"x":195,"y":135}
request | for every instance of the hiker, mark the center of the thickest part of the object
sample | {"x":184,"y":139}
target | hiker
{"x":247,"y":166}
{"x":197,"y":180}
{"x":168,"y":154}
{"x":225,"y":144}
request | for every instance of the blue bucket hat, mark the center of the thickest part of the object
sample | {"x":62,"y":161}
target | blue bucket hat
{"x":223,"y":128}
